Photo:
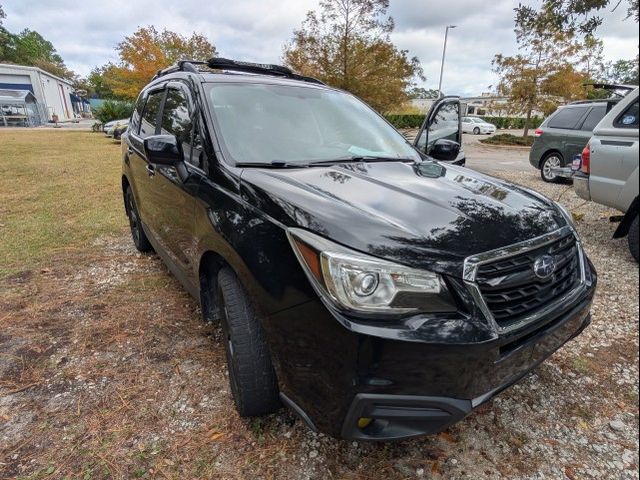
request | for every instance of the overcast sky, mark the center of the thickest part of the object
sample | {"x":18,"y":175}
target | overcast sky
{"x":86,"y":32}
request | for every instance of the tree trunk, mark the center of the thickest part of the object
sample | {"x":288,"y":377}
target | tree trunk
{"x":526,"y":123}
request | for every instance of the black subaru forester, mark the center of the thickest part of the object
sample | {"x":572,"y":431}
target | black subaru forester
{"x":375,"y":287}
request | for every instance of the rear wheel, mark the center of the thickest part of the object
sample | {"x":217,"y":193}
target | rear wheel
{"x":137,"y":232}
{"x":550,"y":161}
{"x":251,"y":375}
{"x":633,"y":239}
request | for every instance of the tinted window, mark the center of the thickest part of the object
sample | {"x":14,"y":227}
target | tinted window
{"x":175,"y":116}
{"x":566,"y":118}
{"x":176,"y":120}
{"x":595,"y":115}
{"x":629,"y":119}
{"x":150,"y":115}
{"x":137,"y":113}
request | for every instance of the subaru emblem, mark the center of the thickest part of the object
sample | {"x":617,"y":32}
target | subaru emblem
{"x":544,"y":266}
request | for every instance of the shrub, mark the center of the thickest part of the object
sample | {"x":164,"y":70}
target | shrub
{"x":415,"y":121}
{"x":113,"y":110}
{"x":508,"y":139}
{"x":515,"y":123}
{"x":405,"y":120}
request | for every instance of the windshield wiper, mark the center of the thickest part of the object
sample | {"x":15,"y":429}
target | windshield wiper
{"x":272,"y":164}
{"x":361,"y":158}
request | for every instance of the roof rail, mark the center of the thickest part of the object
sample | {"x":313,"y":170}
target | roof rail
{"x":595,"y":100}
{"x":258,"y":68}
{"x":218,"y":63}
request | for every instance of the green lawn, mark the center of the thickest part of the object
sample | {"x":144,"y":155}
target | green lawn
{"x":58,"y":190}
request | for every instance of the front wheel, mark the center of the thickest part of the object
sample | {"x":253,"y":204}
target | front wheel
{"x":551,"y":161}
{"x":633,"y":239}
{"x":253,"y":381}
{"x":476,"y":131}
{"x":140,"y":239}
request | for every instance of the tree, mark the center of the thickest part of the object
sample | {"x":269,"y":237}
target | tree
{"x":580,"y":16}
{"x":621,"y":72}
{"x":422,"y":93}
{"x":145,"y":52}
{"x":347,"y":45}
{"x":542,"y":72}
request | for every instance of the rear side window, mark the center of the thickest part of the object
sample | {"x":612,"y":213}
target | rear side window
{"x":593,"y":118}
{"x":629,"y":118}
{"x":150,"y":114}
{"x":566,"y":118}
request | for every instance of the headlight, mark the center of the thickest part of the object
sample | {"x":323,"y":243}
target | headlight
{"x":359,"y":283}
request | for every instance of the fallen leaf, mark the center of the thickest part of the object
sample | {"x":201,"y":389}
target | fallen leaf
{"x":216,"y":435}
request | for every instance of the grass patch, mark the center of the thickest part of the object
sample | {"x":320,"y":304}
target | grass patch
{"x":58,"y":189}
{"x":508,"y":139}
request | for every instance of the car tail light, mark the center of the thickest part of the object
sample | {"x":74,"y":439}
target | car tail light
{"x":538,"y":132}
{"x":586,"y":159}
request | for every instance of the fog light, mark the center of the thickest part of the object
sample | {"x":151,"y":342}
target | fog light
{"x":364,"y":422}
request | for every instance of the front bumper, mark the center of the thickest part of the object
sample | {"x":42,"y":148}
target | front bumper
{"x":408,"y":381}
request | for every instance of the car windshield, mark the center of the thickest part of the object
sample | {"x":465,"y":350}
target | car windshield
{"x":262,"y":123}
{"x":478,"y":120}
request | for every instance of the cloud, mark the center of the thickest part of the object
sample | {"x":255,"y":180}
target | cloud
{"x":85,"y":33}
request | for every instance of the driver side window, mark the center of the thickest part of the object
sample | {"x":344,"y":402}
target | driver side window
{"x":445,"y":124}
{"x":176,"y":120}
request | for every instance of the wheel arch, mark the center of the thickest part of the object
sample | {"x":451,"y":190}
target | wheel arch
{"x":125,"y":185}
{"x":548,"y":153}
{"x":210,"y":264}
{"x":629,"y":217}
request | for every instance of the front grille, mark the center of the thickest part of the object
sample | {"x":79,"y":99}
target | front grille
{"x":511,"y":289}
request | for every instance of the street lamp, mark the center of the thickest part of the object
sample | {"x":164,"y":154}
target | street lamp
{"x":444,"y":53}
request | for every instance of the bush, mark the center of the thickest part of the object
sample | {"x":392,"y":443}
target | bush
{"x":415,"y":121}
{"x":513,"y":122}
{"x":113,"y":110}
{"x":508,"y":139}
{"x":405,"y":120}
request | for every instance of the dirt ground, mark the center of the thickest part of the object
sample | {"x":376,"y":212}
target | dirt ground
{"x":106,"y":371}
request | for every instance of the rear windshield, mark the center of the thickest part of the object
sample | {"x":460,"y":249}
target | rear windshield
{"x":566,"y":118}
{"x":261,"y":123}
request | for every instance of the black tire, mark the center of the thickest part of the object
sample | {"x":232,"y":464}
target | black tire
{"x":476,"y":131}
{"x":551,"y":160}
{"x":633,"y":238}
{"x":140,"y":239}
{"x":253,"y":381}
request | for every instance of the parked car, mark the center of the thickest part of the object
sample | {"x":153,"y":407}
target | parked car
{"x":118,"y":130}
{"x":609,"y":167}
{"x":477,"y":126}
{"x":378,"y":292}
{"x":564,"y":134}
{"x":110,"y":127}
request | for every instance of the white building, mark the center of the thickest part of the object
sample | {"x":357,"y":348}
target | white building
{"x":53,"y":95}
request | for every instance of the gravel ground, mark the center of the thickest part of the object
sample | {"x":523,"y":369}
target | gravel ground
{"x":107,"y":372}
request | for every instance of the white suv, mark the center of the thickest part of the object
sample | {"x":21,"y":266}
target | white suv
{"x":609,"y":169}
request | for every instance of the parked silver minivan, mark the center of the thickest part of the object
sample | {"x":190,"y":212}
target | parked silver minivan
{"x":609,"y":168}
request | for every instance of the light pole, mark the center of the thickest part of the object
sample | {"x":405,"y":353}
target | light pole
{"x":444,"y":53}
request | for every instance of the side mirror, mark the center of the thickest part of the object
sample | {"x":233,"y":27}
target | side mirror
{"x":163,"y":150}
{"x":444,"y":149}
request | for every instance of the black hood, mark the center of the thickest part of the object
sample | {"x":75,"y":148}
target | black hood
{"x":426,"y":215}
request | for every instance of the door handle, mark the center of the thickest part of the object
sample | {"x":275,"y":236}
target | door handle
{"x":151,"y":170}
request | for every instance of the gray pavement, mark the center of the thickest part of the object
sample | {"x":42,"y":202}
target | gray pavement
{"x":491,"y":159}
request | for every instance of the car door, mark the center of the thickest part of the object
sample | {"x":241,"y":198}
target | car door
{"x":442,"y":122}
{"x":149,"y":109}
{"x":174,"y":209}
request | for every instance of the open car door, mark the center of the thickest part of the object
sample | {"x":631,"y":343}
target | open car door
{"x":440,"y":136}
